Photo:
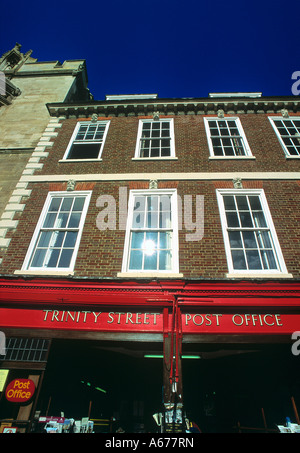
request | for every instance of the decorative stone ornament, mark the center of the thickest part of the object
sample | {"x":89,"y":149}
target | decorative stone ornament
{"x":285,"y":113}
{"x":220,"y":113}
{"x":237,"y":183}
{"x":94,"y":118}
{"x":71,"y":185}
{"x":156,"y":116}
{"x":153,"y":184}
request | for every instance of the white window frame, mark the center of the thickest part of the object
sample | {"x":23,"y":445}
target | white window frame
{"x":174,"y":271}
{"x":246,"y":147}
{"x":281,"y":269}
{"x":285,"y":149}
{"x":100,"y":142}
{"x":32,"y":247}
{"x":139,"y":137}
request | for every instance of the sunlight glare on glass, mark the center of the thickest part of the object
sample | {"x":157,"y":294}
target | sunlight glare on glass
{"x":149,"y":247}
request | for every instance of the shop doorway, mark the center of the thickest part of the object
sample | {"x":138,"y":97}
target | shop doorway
{"x":109,"y":382}
{"x":233,"y":386}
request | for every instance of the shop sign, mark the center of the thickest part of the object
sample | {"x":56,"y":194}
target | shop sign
{"x":202,"y":322}
{"x":51,"y":419}
{"x":20,"y":390}
{"x":10,"y":430}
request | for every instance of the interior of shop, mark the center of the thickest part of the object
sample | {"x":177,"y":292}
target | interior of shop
{"x":226,"y":387}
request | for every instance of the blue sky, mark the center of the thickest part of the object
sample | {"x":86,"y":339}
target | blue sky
{"x":173,"y":48}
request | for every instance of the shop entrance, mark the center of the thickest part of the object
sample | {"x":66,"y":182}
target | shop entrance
{"x":112,"y":383}
{"x":235,"y":387}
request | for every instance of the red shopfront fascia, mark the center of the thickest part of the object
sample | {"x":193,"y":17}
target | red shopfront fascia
{"x":199,"y":308}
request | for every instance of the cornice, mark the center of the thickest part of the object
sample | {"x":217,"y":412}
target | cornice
{"x":182,"y":106}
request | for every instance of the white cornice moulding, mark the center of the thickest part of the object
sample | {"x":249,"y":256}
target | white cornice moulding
{"x":163,"y":176}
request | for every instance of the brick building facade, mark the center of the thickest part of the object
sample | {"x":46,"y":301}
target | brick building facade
{"x":177,"y":220}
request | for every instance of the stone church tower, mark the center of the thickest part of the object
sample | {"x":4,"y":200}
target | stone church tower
{"x":26,"y":86}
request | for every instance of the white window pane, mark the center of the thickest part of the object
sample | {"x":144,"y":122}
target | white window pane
{"x":165,"y":260}
{"x":238,"y":259}
{"x":136,"y":260}
{"x":78,"y":204}
{"x":55,"y":204}
{"x":55,"y":245}
{"x":74,"y":220}
{"x":61,"y":221}
{"x":253,"y":260}
{"x":249,"y":239}
{"x":235,"y":239}
{"x":52,"y":257}
{"x":65,"y":258}
{"x":150,"y":261}
{"x":49,"y":220}
{"x":57,"y":239}
{"x":44,"y":239}
{"x":38,"y":258}
{"x":66,"y":204}
{"x":70,"y":239}
{"x":165,"y":240}
{"x":137,"y":240}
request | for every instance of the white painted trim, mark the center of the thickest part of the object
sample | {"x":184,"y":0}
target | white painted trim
{"x":35,"y":236}
{"x":277,"y":249}
{"x":45,"y":273}
{"x":154,"y":158}
{"x":143,"y":274}
{"x":285,"y":150}
{"x":256,"y":275}
{"x":138,"y":139}
{"x":196,"y":176}
{"x":241,"y":132}
{"x":79,"y":160}
{"x":235,"y":95}
{"x":175,"y":243}
{"x":106,"y":122}
{"x":231,"y":158}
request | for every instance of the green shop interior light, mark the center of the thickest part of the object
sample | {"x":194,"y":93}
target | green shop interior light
{"x":160,"y":356}
{"x":96,"y":388}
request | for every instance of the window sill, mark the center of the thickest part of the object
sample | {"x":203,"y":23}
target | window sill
{"x":154,"y":158}
{"x":258,"y":275}
{"x":45,"y":272}
{"x":150,"y":274}
{"x":292,"y":157}
{"x":79,"y":160}
{"x":231,"y":157}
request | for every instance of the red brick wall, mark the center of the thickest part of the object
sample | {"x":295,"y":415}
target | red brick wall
{"x":191,"y":149}
{"x":101,"y":252}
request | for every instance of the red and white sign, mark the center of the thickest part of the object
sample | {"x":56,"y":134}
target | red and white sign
{"x":239,"y":322}
{"x":20,"y":390}
{"x":9,"y":430}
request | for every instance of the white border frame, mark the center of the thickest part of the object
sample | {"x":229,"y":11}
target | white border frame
{"x":277,"y":249}
{"x":175,"y":245}
{"x":248,"y":153}
{"x":38,"y":227}
{"x":64,"y":159}
{"x":138,"y":140}
{"x":285,"y":150}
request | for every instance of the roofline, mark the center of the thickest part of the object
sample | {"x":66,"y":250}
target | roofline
{"x":176,"y":106}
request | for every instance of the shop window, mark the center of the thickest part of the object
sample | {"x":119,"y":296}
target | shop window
{"x":226,"y":138}
{"x":87,"y":141}
{"x":288,"y":133}
{"x":250,"y":238}
{"x":151,"y":242}
{"x":155,"y":139}
{"x":26,"y":349}
{"x":56,"y":239}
